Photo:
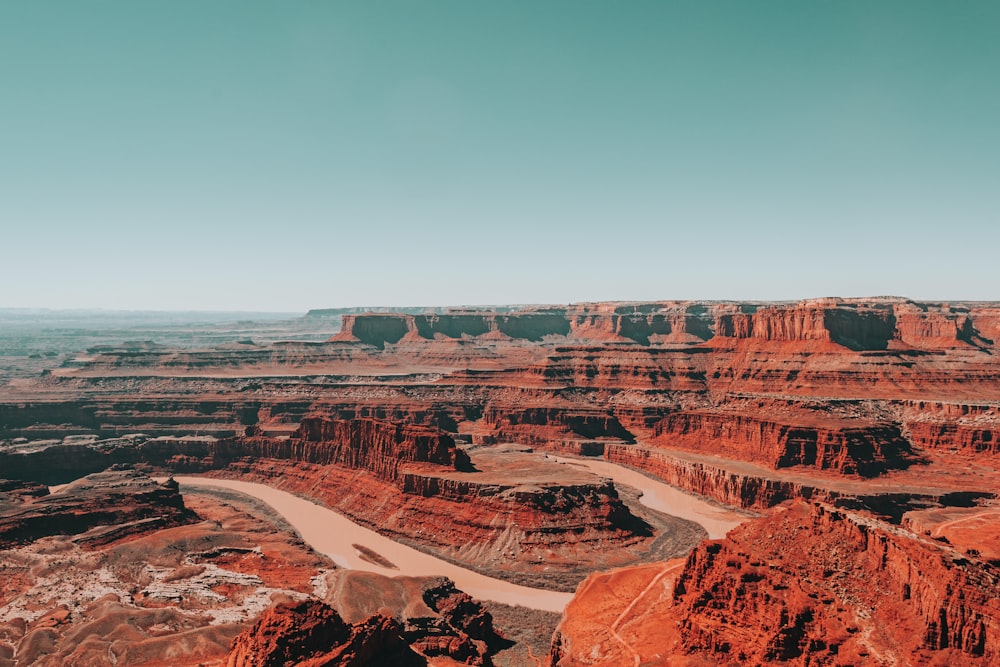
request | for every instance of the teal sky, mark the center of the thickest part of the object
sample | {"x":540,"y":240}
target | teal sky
{"x":290,"y":155}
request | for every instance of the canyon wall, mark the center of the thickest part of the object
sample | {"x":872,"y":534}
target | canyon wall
{"x":748,"y":489}
{"x":809,"y":585}
{"x":812,"y":600}
{"x":857,"y":324}
{"x":848,"y":447}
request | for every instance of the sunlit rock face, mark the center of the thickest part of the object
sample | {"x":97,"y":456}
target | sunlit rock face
{"x":442,"y":429}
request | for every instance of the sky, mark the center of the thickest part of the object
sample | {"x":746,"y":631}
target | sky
{"x":281,"y":156}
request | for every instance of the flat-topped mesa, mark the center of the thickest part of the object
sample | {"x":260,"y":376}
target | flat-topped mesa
{"x":381,"y":329}
{"x":847,"y":447}
{"x":853,"y":326}
{"x":930,"y":326}
{"x":864,"y":324}
{"x":856,"y":324}
{"x":644,"y":323}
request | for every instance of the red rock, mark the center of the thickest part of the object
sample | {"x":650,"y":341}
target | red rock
{"x":312,"y":634}
{"x":807,"y":585}
{"x":885,"y":406}
{"x":126,"y":501}
{"x":437,"y":619}
{"x":847,"y":446}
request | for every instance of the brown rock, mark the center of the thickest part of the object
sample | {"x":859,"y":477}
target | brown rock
{"x":807,"y":585}
{"x":311,"y":633}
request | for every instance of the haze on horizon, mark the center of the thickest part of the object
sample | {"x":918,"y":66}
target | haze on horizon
{"x":264,"y":156}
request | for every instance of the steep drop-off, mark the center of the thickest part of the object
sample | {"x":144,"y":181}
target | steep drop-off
{"x":806,"y":585}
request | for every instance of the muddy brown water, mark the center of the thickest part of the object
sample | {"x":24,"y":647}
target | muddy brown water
{"x":716,"y":520}
{"x":335,"y":535}
{"x":338,"y":537}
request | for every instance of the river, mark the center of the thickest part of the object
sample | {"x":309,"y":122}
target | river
{"x":662,"y":497}
{"x":335,"y":535}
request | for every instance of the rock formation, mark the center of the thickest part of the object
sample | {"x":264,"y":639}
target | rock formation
{"x":124,"y":500}
{"x":118,"y":571}
{"x":807,"y":585}
{"x":311,"y":634}
{"x":433,"y":426}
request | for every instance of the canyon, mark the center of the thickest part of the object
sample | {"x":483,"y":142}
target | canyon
{"x":796,"y":483}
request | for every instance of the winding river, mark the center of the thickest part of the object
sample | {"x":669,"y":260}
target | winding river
{"x":335,"y":535}
{"x":662,"y":497}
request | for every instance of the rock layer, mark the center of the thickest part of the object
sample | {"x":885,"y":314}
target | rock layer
{"x":807,"y":585}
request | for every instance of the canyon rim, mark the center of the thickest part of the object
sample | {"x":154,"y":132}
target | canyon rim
{"x":695,"y":483}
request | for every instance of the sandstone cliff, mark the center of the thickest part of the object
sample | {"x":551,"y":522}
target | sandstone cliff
{"x":849,"y":447}
{"x":807,"y":585}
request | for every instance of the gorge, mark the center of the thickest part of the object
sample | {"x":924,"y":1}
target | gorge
{"x":792,"y":483}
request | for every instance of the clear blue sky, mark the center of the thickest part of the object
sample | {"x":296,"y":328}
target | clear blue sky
{"x":290,"y":155}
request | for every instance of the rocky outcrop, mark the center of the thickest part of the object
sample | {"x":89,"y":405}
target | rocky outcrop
{"x":810,"y":585}
{"x":437,"y":619}
{"x":311,"y":634}
{"x":125,"y":500}
{"x":831,"y":597}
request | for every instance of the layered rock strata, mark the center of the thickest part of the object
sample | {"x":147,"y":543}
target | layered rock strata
{"x":807,"y":585}
{"x":126,"y":500}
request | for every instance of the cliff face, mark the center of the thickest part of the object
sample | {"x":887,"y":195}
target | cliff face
{"x":550,"y":425}
{"x":857,"y":328}
{"x":358,"y":443}
{"x":364,"y":444}
{"x":806,"y":586}
{"x":380,"y":329}
{"x":849,"y":447}
{"x":746,"y":490}
{"x":856,"y":324}
{"x":942,"y":427}
{"x":967,"y":438}
{"x":944,"y":326}
{"x":826,"y":599}
{"x":371,"y":445}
